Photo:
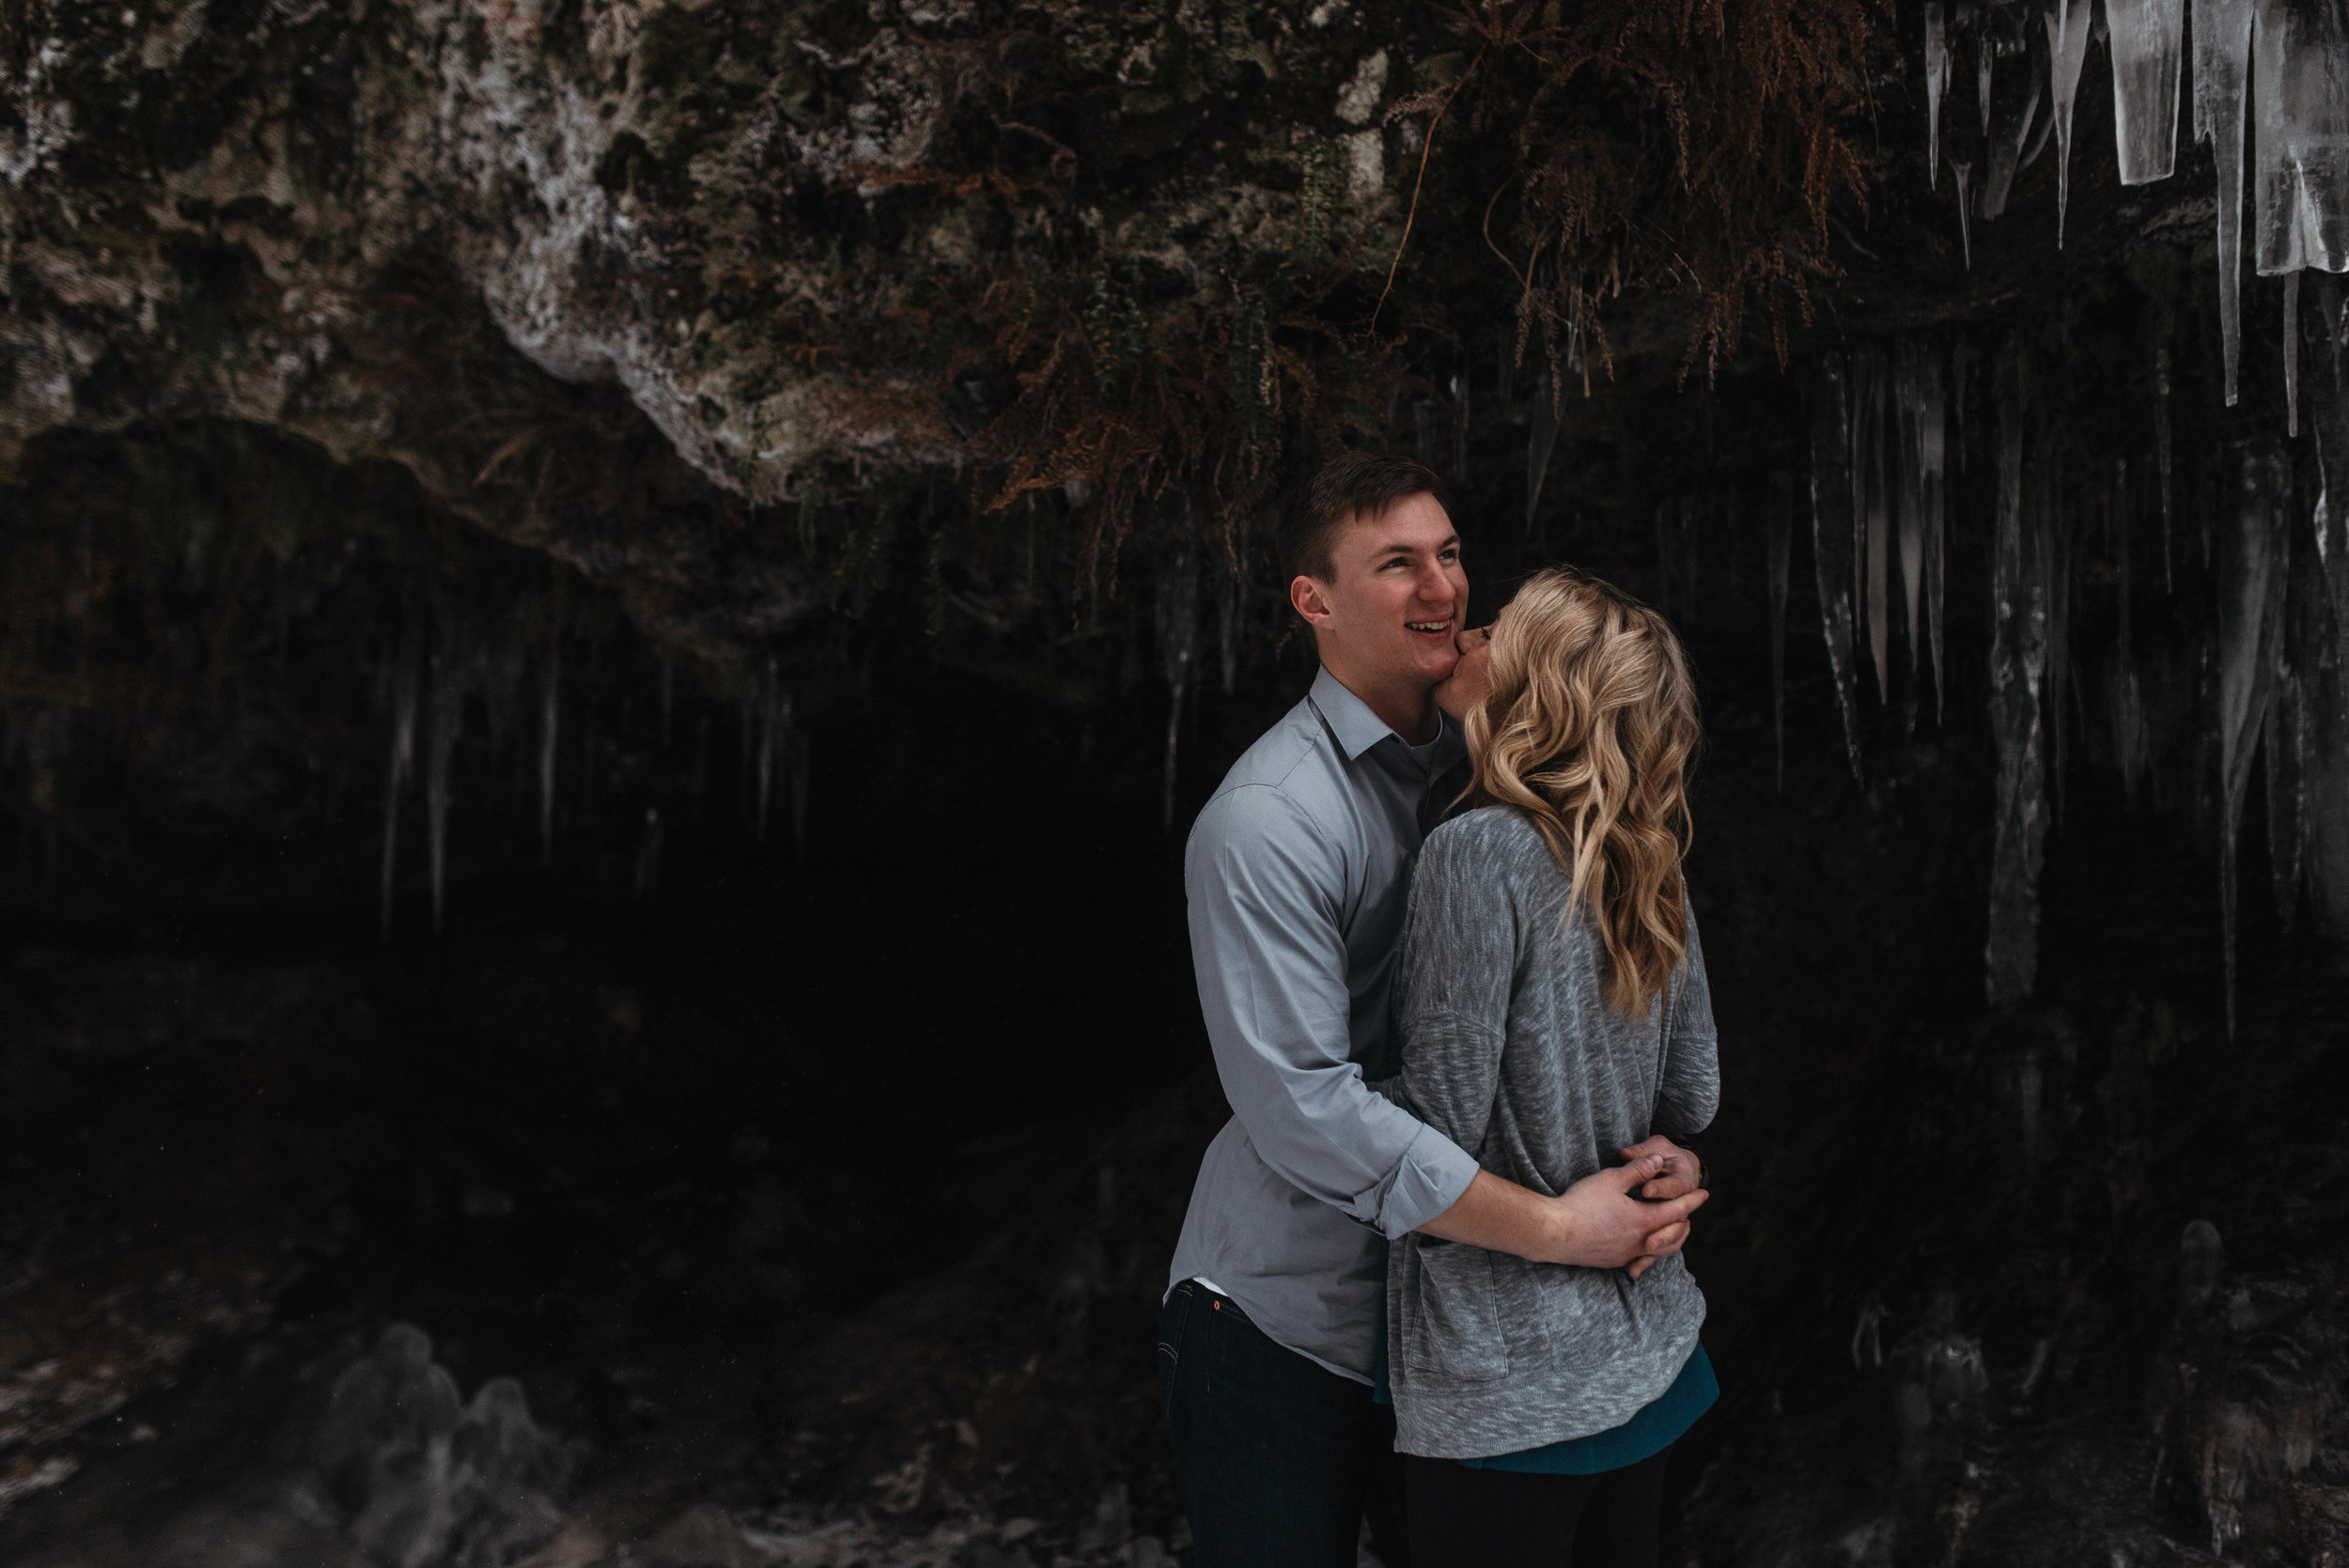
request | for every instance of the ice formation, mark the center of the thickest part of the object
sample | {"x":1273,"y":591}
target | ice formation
{"x":1831,"y":519}
{"x":2018,"y":652}
{"x":2148,"y":38}
{"x":2161,"y":448}
{"x":1178,"y":651}
{"x":1937,"y":84}
{"x":403,"y":695}
{"x":2222,"y":70}
{"x":1921,"y":394}
{"x":452,"y":682}
{"x":414,"y":1474}
{"x":2285,"y":63}
{"x":1541,"y":439}
{"x":2292,"y":355}
{"x":2300,"y":93}
{"x":549,"y":730}
{"x":2252,"y":574}
{"x":2067,"y":44}
{"x":1871,"y":505}
{"x":1781,"y":524}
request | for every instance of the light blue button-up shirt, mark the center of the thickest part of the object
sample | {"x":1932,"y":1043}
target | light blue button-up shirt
{"x":1299,"y":873}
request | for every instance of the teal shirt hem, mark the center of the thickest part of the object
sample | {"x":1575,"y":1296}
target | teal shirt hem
{"x":1658,"y":1424}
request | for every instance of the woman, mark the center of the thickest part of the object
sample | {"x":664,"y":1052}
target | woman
{"x":1553,"y":1008}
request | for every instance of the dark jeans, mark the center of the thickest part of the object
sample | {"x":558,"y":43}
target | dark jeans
{"x":1279,"y":1460}
{"x":1464,"y":1518}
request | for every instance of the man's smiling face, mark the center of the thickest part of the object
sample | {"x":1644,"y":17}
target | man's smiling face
{"x":1394,"y":598}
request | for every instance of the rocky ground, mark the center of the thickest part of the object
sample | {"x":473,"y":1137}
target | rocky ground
{"x":530,"y":1250}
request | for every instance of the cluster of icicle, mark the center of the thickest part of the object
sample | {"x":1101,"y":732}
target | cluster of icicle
{"x":1883,"y":425}
{"x":434,"y":680}
{"x":2276,"y":67}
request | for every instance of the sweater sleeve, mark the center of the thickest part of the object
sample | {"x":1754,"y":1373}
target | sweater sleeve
{"x":1690,"y":1089}
{"x":1460,"y":956}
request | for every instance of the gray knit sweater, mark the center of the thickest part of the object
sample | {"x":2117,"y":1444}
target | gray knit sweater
{"x":1510,"y":1049}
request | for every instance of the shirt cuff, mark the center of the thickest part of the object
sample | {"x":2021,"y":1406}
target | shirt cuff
{"x":1430,"y":1178}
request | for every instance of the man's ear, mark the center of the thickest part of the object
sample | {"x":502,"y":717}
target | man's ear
{"x":1310,"y":600}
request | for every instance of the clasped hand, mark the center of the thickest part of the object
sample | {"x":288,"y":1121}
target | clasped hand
{"x":1608,"y":1227}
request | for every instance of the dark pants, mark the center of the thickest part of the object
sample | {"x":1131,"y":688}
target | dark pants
{"x":1464,"y":1518}
{"x":1279,"y":1460}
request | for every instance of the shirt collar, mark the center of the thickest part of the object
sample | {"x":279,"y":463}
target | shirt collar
{"x":1357,"y":729}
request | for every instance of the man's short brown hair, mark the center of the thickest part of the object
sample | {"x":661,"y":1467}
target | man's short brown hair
{"x":1354,"y":485}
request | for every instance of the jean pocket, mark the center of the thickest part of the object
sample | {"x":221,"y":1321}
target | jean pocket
{"x":1172,"y":1317}
{"x":1457,"y":1320}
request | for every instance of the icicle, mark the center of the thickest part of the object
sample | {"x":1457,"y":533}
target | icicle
{"x":2148,"y":46}
{"x":1178,"y":647}
{"x":2121,"y":515}
{"x":795,"y":771}
{"x":1921,"y":399}
{"x":1936,"y":84}
{"x":1780,"y":524}
{"x":2006,"y":148}
{"x":668,"y":696}
{"x":2326,"y":789}
{"x":2055,"y":547}
{"x":550,"y":724}
{"x":1964,"y":172}
{"x":2222,"y":62}
{"x":2250,"y":592}
{"x":1542,"y":438}
{"x":1935,"y":489}
{"x":2019,"y":648}
{"x":402,"y":763}
{"x":2126,"y":717}
{"x":1460,"y":424}
{"x":1872,"y":500}
{"x":648,"y":855}
{"x":2067,"y":51}
{"x":445,"y":723}
{"x":2282,"y":739}
{"x":1985,"y":53}
{"x":1228,"y":600}
{"x":2300,"y":156}
{"x":1832,"y":539}
{"x":774,"y":721}
{"x":2161,"y":448}
{"x":2292,"y":355}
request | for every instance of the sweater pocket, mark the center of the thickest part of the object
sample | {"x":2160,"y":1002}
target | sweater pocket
{"x":1458,"y":1320}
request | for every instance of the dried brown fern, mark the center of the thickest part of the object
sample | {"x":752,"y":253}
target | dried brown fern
{"x":1692,"y":147}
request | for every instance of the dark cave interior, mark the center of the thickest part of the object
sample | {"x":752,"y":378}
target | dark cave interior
{"x":686,"y":981}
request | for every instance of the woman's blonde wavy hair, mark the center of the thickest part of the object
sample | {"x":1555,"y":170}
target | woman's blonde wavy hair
{"x":1589,"y":727}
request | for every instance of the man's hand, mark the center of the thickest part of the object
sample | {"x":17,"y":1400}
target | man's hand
{"x":1607,"y":1226}
{"x":1595,"y":1223}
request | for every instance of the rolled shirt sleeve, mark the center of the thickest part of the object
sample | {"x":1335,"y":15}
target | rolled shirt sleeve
{"x":1264,"y":890}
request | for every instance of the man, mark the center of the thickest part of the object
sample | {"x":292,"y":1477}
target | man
{"x":1298,"y":873}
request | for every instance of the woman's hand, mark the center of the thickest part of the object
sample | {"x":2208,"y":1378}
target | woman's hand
{"x":1682,"y":1172}
{"x":1604,"y":1225}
